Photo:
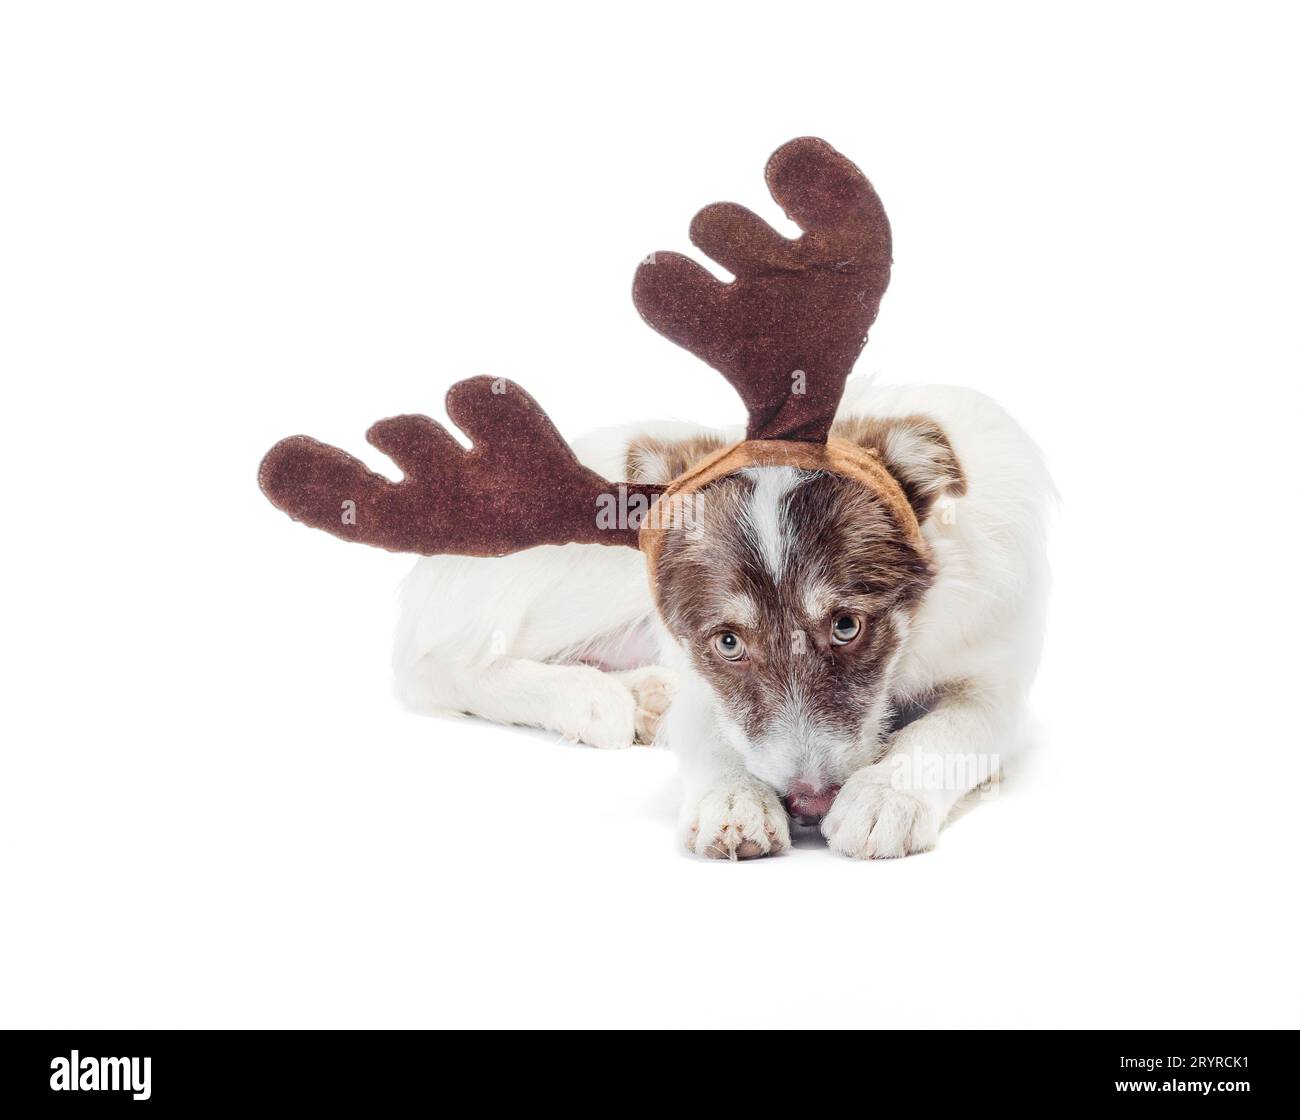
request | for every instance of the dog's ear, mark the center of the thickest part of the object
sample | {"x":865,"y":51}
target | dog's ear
{"x":654,"y":460}
{"x":916,"y":452}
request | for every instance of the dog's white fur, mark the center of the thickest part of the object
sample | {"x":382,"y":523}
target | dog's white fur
{"x":505,"y":639}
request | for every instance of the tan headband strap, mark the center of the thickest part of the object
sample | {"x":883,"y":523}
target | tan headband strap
{"x":835,"y":456}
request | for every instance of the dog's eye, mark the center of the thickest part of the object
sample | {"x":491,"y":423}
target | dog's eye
{"x":729,"y":645}
{"x":845,"y":628}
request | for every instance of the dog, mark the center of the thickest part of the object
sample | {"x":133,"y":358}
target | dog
{"x":804,"y":664}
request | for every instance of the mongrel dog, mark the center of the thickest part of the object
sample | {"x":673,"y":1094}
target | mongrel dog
{"x":804,"y":661}
{"x":844,"y":603}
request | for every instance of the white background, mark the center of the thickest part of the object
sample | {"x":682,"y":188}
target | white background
{"x":224,"y":223}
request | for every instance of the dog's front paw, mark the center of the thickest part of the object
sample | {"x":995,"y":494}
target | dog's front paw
{"x":739,"y":820}
{"x":870,"y":819}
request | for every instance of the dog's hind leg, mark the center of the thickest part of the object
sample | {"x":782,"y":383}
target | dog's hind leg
{"x":534,"y":639}
{"x":577,"y":701}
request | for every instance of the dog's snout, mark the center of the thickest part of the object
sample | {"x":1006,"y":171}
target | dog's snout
{"x":808,"y":802}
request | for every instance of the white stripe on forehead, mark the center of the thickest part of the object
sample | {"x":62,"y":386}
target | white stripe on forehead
{"x":766,"y":524}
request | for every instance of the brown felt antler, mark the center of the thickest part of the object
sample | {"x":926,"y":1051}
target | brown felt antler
{"x":518,"y":486}
{"x":785,"y":333}
{"x":788,"y":329}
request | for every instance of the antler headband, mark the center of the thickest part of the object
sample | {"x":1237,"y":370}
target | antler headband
{"x":785,"y":333}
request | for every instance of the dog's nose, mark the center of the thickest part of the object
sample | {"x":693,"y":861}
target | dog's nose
{"x":809,"y":803}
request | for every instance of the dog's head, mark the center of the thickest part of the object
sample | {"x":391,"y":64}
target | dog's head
{"x":792,"y":593}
